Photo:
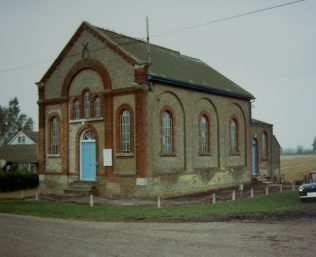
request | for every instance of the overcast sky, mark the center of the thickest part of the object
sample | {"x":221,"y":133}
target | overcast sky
{"x":271,"y":53}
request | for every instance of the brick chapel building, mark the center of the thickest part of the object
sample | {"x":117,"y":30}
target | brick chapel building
{"x":137,"y":129}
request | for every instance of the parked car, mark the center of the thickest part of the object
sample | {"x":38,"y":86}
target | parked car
{"x":308,"y":190}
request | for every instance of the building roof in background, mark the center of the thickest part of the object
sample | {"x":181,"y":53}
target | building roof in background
{"x":19,"y":153}
{"x":32,"y":135}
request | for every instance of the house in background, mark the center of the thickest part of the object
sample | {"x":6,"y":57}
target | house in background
{"x":21,"y":151}
{"x":143,"y":127}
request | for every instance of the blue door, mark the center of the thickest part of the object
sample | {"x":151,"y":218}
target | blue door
{"x":88,"y":161}
{"x":254,"y":157}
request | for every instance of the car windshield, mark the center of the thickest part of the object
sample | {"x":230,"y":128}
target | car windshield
{"x":313,"y":177}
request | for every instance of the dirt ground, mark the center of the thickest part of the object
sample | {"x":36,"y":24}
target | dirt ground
{"x":32,"y":236}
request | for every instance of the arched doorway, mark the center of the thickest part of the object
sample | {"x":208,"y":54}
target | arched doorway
{"x":87,"y":156}
{"x":254,"y":157}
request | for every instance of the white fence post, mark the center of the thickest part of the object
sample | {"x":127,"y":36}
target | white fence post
{"x":251,"y":193}
{"x":213,"y":198}
{"x":22,"y":194}
{"x":158,"y":202}
{"x":36,"y":196}
{"x":281,"y":188}
{"x":91,"y":201}
{"x":233,"y":196}
{"x":267,"y":190}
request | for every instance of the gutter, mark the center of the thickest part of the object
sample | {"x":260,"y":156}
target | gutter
{"x":197,"y":87}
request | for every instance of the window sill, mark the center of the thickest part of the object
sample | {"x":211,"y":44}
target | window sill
{"x":124,"y":155}
{"x":168,"y":155}
{"x":53,"y":155}
{"x":205,"y":154}
{"x":86,"y":120}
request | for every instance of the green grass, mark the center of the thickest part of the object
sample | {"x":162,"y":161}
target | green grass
{"x":271,"y":205}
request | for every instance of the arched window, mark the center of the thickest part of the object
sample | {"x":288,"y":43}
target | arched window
{"x":54,"y":137}
{"x":204,"y":135}
{"x":234,"y":136}
{"x":97,"y":107}
{"x":125,"y":120}
{"x":88,"y":135}
{"x":86,"y":104}
{"x":167,"y":133}
{"x":264,"y":146}
{"x":76,"y":109}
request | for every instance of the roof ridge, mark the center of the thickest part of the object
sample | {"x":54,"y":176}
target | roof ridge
{"x":140,"y":40}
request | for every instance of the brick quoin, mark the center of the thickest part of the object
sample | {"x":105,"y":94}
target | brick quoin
{"x":141,"y":134}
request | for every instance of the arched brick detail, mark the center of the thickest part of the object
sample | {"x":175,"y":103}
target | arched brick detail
{"x":82,"y":65}
{"x":77,"y":154}
{"x":170,"y":110}
{"x":209,"y":133}
{"x":119,"y":111}
{"x":50,"y":117}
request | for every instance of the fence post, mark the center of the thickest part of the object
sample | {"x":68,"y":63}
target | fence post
{"x":234,"y":196}
{"x":213,"y":198}
{"x":281,"y":188}
{"x":267,"y":190}
{"x":158,"y":202}
{"x":22,"y":194}
{"x":251,"y":193}
{"x":91,"y":201}
{"x":36,"y":196}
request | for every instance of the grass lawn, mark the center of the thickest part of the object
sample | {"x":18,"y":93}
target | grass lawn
{"x":274,"y":204}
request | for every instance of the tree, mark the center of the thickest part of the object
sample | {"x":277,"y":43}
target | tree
{"x":12,"y":121}
{"x":314,"y":144}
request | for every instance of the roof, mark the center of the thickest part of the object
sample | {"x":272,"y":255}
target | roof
{"x":32,"y":135}
{"x":174,"y":68}
{"x":259,"y":122}
{"x":166,"y":66}
{"x":19,"y":153}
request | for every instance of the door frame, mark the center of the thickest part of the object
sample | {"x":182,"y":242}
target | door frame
{"x":254,"y":151}
{"x":85,"y":140}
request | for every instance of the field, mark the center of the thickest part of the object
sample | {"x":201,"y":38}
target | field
{"x":296,"y":167}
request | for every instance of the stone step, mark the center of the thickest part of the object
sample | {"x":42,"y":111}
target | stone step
{"x":263,"y":180}
{"x":81,"y":188}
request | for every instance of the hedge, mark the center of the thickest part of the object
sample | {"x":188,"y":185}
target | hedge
{"x":17,"y":180}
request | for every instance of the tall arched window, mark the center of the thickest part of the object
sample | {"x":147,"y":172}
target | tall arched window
{"x":125,"y":119}
{"x":264,"y":146}
{"x":167,"y":137}
{"x":204,"y":135}
{"x":86,"y":104}
{"x":234,"y":136}
{"x":54,"y":147}
{"x":76,"y":109}
{"x":97,"y":107}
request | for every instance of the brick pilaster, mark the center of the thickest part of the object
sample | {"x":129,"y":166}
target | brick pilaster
{"x":141,"y":134}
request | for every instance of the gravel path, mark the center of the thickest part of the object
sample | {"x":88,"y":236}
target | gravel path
{"x":32,"y":236}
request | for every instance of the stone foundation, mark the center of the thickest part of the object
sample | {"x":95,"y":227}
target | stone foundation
{"x":167,"y":185}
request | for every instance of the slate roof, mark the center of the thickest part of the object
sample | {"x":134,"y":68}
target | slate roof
{"x":19,"y":153}
{"x":259,"y":122}
{"x":32,"y":135}
{"x":174,"y":68}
